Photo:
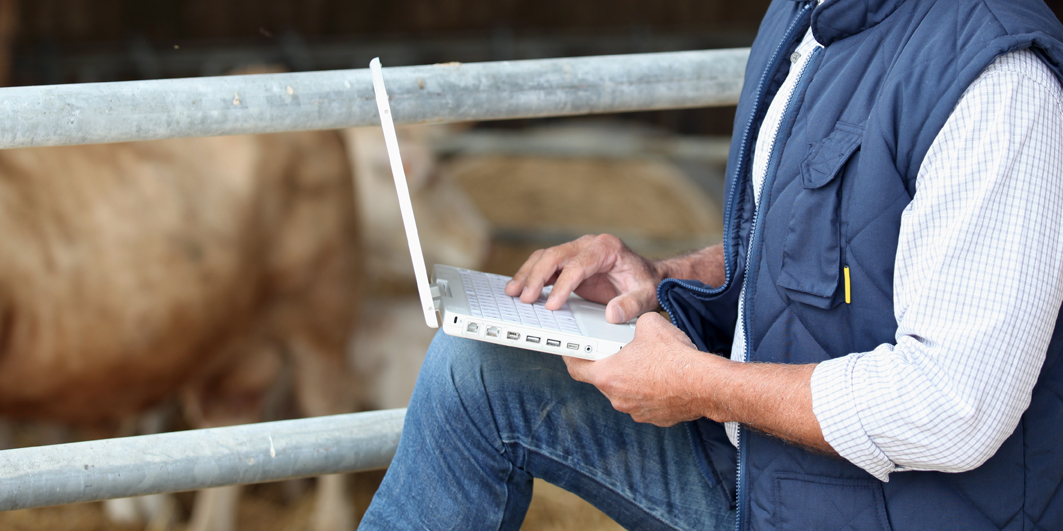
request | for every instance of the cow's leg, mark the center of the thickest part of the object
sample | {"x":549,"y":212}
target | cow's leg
{"x":332,"y":508}
{"x":160,"y":510}
{"x":323,"y":387}
{"x":123,"y":511}
{"x":315,"y":270}
{"x":215,"y":509}
{"x":233,"y":395}
{"x":156,"y":510}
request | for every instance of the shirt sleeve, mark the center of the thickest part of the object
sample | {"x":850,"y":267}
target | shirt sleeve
{"x":977,"y":288}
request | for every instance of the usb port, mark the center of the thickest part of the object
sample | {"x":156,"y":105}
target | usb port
{"x":553,"y":343}
{"x":473,"y":328}
{"x":513,"y":335}
{"x":573,"y":346}
{"x":532,"y":339}
{"x":493,"y":331}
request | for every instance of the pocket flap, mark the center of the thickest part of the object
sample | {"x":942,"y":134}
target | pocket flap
{"x":827,"y":156}
{"x":811,"y":262}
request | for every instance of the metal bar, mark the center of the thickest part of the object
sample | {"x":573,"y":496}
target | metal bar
{"x":149,"y":110}
{"x":197,"y":459}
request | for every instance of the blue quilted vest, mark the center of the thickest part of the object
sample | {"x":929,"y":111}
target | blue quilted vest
{"x":844,"y":169}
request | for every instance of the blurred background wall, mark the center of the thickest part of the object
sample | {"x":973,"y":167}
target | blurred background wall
{"x":51,"y":35}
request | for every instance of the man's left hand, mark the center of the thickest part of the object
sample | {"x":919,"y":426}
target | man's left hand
{"x":663,"y":379}
{"x":657,"y":378}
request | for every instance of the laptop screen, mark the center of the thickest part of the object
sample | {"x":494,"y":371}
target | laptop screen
{"x":405,"y":205}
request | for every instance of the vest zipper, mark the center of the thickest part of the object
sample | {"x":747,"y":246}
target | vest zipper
{"x":739,"y":169}
{"x":788,"y":37}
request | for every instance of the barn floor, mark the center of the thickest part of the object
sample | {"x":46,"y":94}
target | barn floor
{"x":267,"y":507}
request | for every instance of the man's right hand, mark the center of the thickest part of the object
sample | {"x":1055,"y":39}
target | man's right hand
{"x":598,"y":268}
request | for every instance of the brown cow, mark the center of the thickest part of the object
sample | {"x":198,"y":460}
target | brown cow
{"x":132,"y":272}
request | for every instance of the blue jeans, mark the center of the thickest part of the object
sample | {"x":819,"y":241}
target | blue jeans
{"x":486,"y":419}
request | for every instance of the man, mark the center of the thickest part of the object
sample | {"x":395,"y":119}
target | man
{"x":893,"y":263}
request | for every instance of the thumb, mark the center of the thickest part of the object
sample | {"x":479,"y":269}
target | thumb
{"x":630,"y":305}
{"x":656,"y":327}
{"x":579,"y":369}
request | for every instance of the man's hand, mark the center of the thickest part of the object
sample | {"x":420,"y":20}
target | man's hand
{"x":661,"y":378}
{"x":598,"y":268}
{"x":657,"y":378}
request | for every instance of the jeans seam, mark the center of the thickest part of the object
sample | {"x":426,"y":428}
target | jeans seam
{"x":614,"y":489}
{"x":465,"y":408}
{"x":505,"y":502}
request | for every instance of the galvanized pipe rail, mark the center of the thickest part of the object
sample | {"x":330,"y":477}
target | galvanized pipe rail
{"x":94,"y":113}
{"x":197,"y":459}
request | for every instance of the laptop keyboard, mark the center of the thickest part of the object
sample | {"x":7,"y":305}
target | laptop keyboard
{"x":487,"y":298}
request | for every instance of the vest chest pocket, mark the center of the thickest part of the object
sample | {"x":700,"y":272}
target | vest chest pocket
{"x":811,"y":262}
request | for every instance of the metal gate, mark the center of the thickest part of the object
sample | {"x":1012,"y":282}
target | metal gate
{"x":152,"y":110}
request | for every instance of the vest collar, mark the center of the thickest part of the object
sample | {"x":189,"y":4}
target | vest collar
{"x":834,"y":20}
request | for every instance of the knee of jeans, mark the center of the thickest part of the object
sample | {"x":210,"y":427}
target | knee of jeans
{"x":451,"y":369}
{"x":453,"y":387}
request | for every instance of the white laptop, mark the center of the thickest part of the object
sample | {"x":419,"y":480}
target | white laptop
{"x":474,"y":305}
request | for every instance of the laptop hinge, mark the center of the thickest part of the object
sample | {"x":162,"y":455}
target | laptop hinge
{"x":437,"y":299}
{"x":440,"y":288}
{"x":437,"y":295}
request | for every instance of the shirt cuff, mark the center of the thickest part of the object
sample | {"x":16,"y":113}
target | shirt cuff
{"x":836,"y":407}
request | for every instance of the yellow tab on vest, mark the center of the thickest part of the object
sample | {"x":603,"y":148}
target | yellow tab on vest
{"x":848,"y":293}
